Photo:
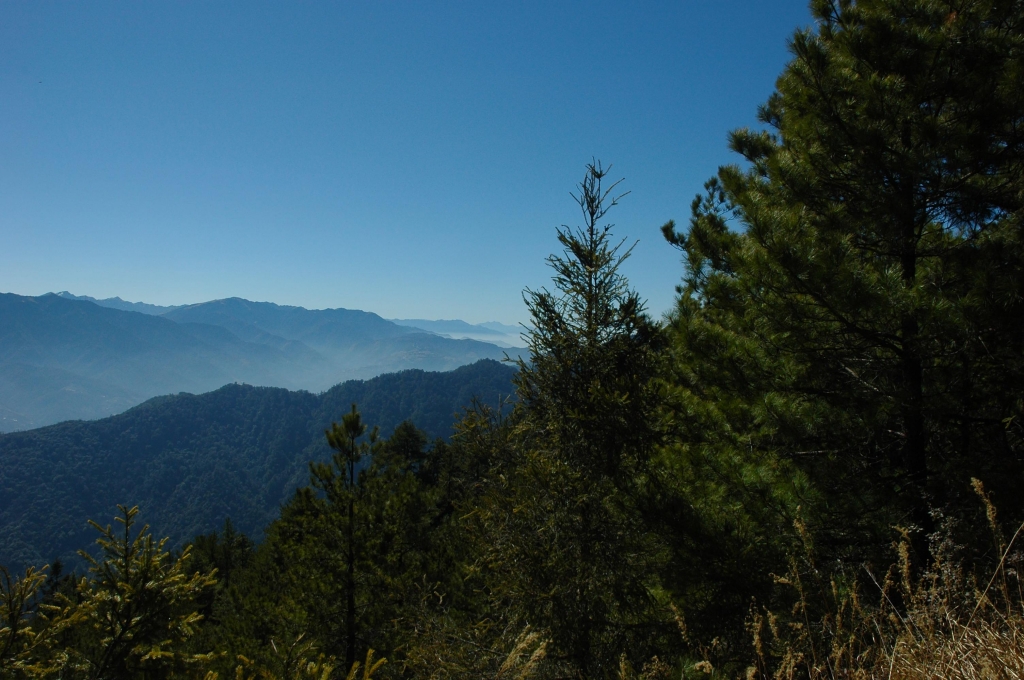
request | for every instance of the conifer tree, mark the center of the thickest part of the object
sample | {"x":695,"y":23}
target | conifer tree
{"x":851,"y":295}
{"x":340,"y":484}
{"x":348,"y":552}
{"x":29,"y":638}
{"x":567,"y":535}
{"x":136,"y":613}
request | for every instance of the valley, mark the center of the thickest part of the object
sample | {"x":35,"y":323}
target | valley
{"x":68,"y":358}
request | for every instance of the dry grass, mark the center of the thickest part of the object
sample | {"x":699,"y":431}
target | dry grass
{"x":943,"y":624}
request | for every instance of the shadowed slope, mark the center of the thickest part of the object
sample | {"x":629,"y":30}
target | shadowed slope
{"x":191,"y":461}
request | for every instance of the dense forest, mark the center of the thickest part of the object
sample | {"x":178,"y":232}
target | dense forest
{"x":811,"y":469}
{"x":192,"y":461}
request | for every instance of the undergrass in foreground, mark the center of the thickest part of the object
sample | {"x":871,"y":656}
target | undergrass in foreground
{"x":942,"y":622}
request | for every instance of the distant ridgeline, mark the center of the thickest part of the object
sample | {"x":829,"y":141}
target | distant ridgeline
{"x":63,"y":357}
{"x":192,"y":461}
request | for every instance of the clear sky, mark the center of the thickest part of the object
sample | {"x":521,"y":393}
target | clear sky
{"x":407,"y":158}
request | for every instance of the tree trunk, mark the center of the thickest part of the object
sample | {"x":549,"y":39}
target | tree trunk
{"x":350,"y":613}
{"x":914,"y":454}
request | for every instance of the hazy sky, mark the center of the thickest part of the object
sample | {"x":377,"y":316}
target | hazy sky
{"x":411,"y":159}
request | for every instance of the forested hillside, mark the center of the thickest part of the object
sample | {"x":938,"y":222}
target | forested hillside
{"x":810,"y":470}
{"x":191,"y":461}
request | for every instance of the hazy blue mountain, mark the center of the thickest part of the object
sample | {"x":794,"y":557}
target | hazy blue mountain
{"x":247,"y":320}
{"x":360,"y":344}
{"x":502,"y":327}
{"x":63,"y":358}
{"x":447,"y":326}
{"x":191,"y":461}
{"x":118,"y":303}
{"x":33,"y":396}
{"x":315,"y":327}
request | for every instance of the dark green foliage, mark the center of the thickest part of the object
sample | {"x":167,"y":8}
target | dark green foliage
{"x":566,"y":542}
{"x":341,"y":491}
{"x":432,"y":401}
{"x":226,"y":551}
{"x":192,"y":461}
{"x":137,"y":608}
{"x":344,"y":568}
{"x":587,"y":385}
{"x":133,"y":616}
{"x":847,"y":340}
{"x":230,"y":453}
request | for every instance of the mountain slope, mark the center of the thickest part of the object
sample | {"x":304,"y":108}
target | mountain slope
{"x":360,"y":344}
{"x":63,"y":358}
{"x":315,"y":327}
{"x":191,"y":461}
{"x":95,"y":359}
{"x":34,"y":396}
{"x":454,"y":327}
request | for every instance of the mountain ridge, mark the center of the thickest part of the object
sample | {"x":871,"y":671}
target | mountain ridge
{"x":501,"y":334}
{"x":118,"y":303}
{"x":62,"y":357}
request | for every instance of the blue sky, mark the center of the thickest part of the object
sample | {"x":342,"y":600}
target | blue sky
{"x":407,"y":158}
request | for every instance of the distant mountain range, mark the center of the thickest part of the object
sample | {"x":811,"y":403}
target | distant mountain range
{"x":66,"y":357}
{"x":500,"y":334}
{"x":118,"y":303}
{"x":191,"y":461}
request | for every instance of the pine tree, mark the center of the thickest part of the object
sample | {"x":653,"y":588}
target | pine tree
{"x":342,"y":568}
{"x":340,"y":484}
{"x":137,"y":611}
{"x":29,"y":634}
{"x":851,"y":295}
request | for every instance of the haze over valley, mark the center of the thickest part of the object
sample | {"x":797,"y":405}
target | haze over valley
{"x":64,"y":357}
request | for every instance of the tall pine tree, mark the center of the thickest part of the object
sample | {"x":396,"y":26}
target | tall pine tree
{"x":568,"y":539}
{"x":852,"y":295}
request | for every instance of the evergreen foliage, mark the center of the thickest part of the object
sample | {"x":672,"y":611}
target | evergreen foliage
{"x":138,"y":608}
{"x":341,"y":490}
{"x":565,"y":528}
{"x":846,"y":353}
{"x":341,"y":570}
{"x":131,"y":618}
{"x":866,"y":289}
